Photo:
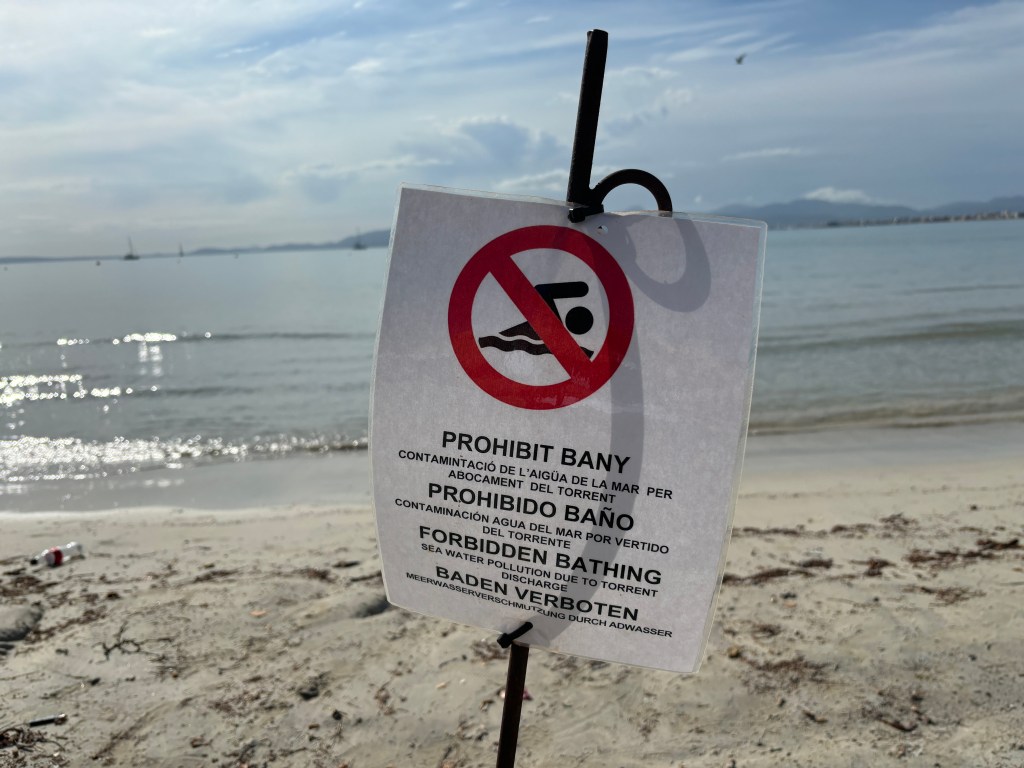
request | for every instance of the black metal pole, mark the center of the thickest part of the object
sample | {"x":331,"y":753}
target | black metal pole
{"x":580,"y":168}
{"x":515,"y":684}
{"x":582,"y":163}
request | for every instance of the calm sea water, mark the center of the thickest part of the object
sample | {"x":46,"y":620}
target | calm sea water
{"x":167,"y":362}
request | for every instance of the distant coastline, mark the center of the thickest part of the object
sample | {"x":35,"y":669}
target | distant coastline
{"x":796,"y":214}
{"x":817,"y":214}
{"x":995,"y":216}
{"x":375,"y":239}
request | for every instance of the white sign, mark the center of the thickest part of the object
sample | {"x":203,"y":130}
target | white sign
{"x":558,"y":419}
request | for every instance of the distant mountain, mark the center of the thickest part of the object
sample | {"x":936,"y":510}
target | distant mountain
{"x":819,"y":213}
{"x":378,"y":238}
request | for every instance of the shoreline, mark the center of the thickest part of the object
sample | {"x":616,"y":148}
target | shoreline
{"x":344,"y":477}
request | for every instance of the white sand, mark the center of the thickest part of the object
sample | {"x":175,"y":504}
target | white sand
{"x":250,"y":637}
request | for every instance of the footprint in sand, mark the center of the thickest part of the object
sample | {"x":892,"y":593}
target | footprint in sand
{"x":15,"y":623}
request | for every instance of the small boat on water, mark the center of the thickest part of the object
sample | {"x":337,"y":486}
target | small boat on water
{"x":131,"y":255}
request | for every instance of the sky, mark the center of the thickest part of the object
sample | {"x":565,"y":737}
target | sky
{"x":237,"y":122}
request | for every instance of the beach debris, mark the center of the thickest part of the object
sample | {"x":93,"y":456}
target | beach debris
{"x":16,"y":736}
{"x":527,"y":696}
{"x":856,"y":528}
{"x":891,"y":709}
{"x":813,"y":717}
{"x":749,"y":530}
{"x":792,"y":672}
{"x":766,"y":574}
{"x":127,"y":645}
{"x":312,"y":687}
{"x":245,"y":752}
{"x":487,"y":650}
{"x":875,"y":566}
{"x":383,"y":699}
{"x":51,"y":720}
{"x":215,"y":574}
{"x":988,"y":545}
{"x":56,"y":556}
{"x":762,"y":629}
{"x":258,"y":613}
{"x":899,"y":725}
{"x":816,"y":562}
{"x":987,"y":549}
{"x":23,"y":738}
{"x":899,"y":522}
{"x":946,"y":595}
{"x":318,"y":574}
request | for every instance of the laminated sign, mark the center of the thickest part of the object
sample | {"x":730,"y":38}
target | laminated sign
{"x":558,"y":419}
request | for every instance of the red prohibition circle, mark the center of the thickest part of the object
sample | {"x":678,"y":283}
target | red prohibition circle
{"x":586,"y":376}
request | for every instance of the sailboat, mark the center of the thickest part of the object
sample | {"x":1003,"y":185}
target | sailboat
{"x":358,"y":244}
{"x":131,"y":255}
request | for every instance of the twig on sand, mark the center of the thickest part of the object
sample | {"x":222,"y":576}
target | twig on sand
{"x":128,"y":645}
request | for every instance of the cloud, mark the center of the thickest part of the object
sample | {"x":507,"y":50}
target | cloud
{"x":155,"y":32}
{"x":727,"y":47}
{"x":326,"y":182}
{"x":646,"y":74}
{"x":770,"y":152}
{"x":665,"y":104}
{"x":485,"y":148}
{"x":546,"y":183}
{"x":833,"y":195}
{"x":402,"y":162}
{"x":321,"y":182}
{"x":367,"y":67}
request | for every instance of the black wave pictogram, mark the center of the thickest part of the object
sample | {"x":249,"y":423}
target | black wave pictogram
{"x":516,"y":345}
{"x":523,"y":338}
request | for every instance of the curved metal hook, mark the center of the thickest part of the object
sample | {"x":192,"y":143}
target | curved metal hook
{"x":648,"y":181}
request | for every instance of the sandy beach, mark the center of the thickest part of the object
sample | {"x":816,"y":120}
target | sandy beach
{"x":871,"y":614}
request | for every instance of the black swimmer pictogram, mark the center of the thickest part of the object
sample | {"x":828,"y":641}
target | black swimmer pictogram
{"x":523,"y":338}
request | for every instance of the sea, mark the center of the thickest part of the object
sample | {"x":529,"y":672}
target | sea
{"x":117,"y":368}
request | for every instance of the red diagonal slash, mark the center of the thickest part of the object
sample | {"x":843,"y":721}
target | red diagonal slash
{"x":541,"y":318}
